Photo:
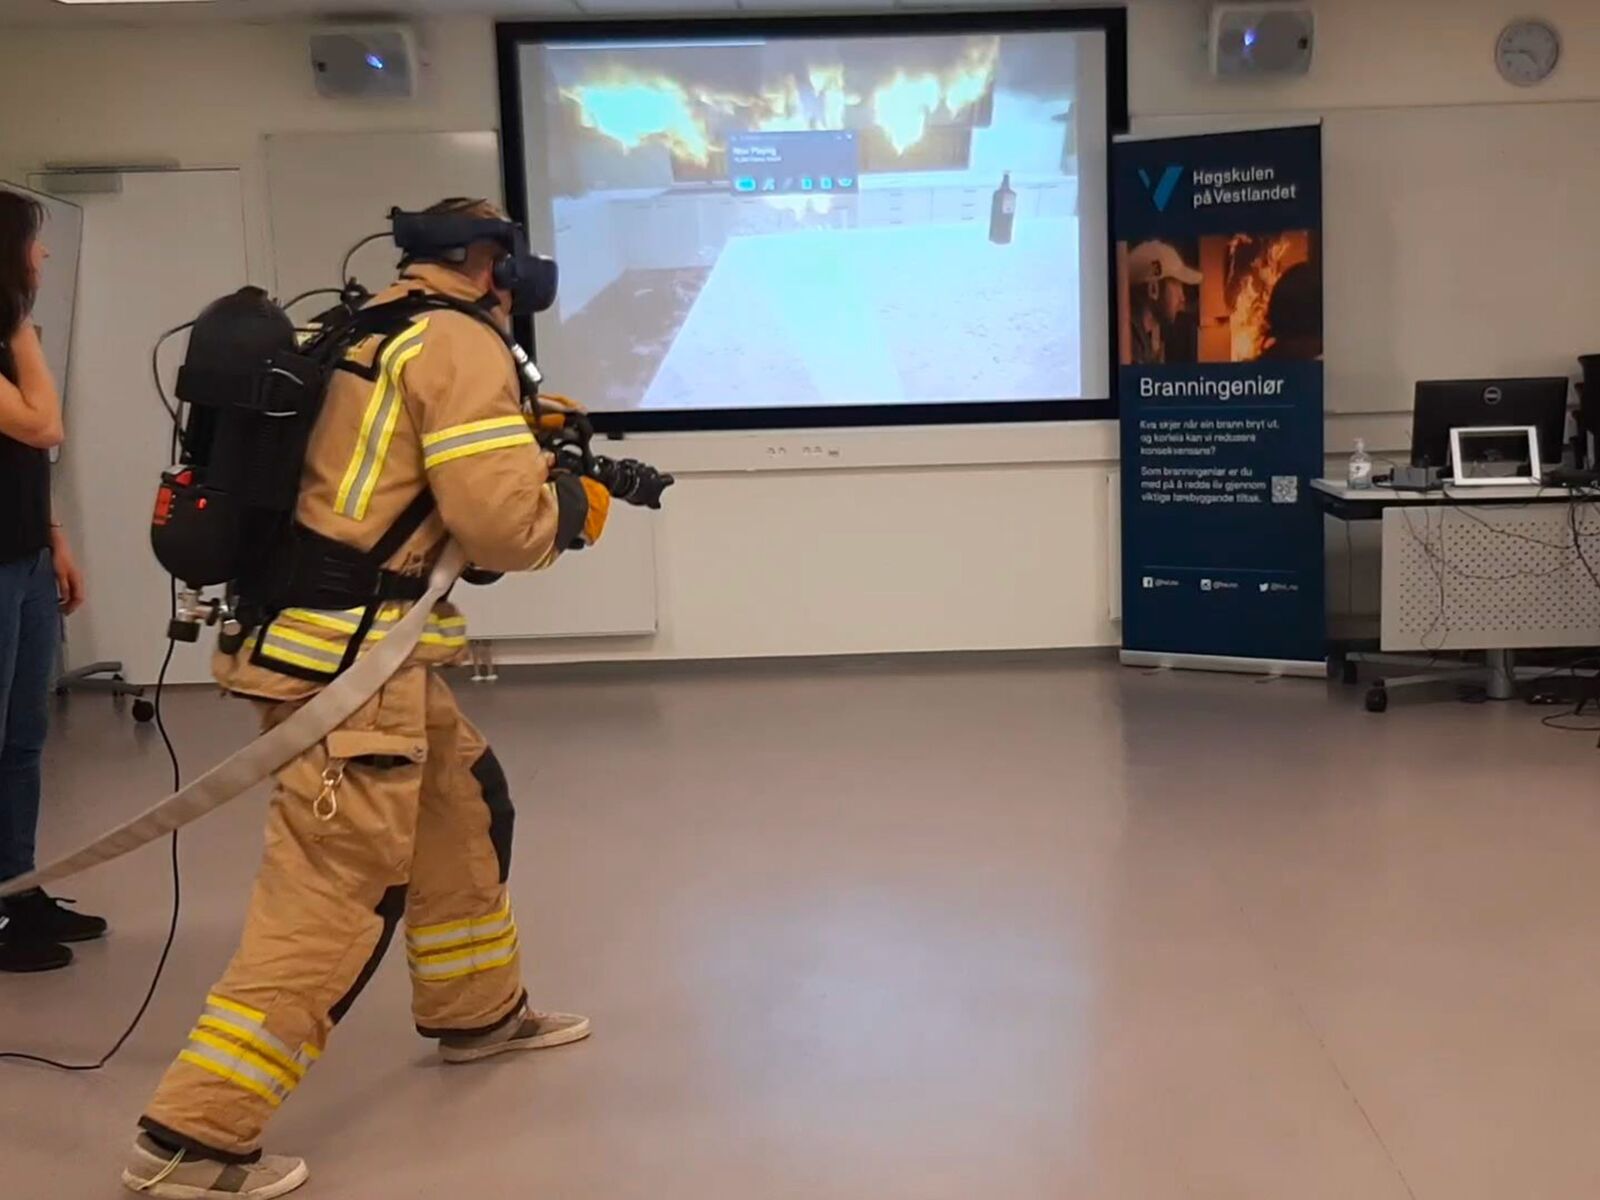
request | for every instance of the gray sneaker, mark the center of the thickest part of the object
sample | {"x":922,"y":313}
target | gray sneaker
{"x":530,"y":1031}
{"x":152,"y":1171}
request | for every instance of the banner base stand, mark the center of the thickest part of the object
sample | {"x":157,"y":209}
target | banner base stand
{"x":1295,"y":668}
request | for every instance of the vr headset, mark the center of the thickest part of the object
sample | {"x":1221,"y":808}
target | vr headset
{"x":444,"y":237}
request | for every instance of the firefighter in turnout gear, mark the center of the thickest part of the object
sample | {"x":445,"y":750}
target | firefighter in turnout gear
{"x":402,"y":816}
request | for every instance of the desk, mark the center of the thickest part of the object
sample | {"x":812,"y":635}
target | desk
{"x":1495,"y":569}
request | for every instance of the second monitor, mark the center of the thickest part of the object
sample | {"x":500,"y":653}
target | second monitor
{"x":1445,"y":404}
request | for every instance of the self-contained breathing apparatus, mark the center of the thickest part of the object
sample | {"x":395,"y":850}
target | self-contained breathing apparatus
{"x":251,"y":388}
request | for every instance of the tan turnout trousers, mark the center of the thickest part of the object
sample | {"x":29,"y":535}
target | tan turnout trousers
{"x":426,"y":840}
{"x":403,"y":814}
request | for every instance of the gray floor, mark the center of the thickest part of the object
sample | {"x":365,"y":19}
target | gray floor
{"x":921,"y":932}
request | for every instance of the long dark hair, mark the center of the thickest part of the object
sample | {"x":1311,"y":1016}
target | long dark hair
{"x":20,"y":219}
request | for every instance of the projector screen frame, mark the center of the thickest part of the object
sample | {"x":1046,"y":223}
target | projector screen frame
{"x":512,"y":36}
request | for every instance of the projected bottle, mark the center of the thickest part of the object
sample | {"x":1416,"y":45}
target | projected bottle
{"x":1002,"y":212}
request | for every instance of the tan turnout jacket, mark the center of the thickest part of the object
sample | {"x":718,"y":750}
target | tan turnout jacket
{"x":435,"y":406}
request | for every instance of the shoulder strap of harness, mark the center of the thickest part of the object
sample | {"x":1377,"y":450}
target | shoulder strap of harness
{"x":388,"y":319}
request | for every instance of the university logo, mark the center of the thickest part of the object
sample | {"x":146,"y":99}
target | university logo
{"x":1161,"y":189}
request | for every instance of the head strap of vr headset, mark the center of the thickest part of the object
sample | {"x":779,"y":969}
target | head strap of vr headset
{"x":445,"y":237}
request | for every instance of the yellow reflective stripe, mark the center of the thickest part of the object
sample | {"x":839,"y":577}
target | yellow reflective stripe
{"x":386,"y":433}
{"x":233,"y":1006}
{"x":455,"y":431}
{"x":475,"y":969}
{"x":448,"y":641}
{"x":259,"y":1062}
{"x":237,"y":1075}
{"x":468,"y":449}
{"x":448,"y":959}
{"x":324,"y":655}
{"x":301,"y":649}
{"x":438,"y":935}
{"x":489,"y":956}
{"x":252,"y":1034}
{"x":310,"y":641}
{"x":319,"y":617}
{"x":365,"y":465}
{"x":485,"y":946}
{"x":463,"y":946}
{"x":243,"y":1036}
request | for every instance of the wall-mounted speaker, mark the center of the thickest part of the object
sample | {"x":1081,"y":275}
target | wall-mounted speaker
{"x":358,"y":62}
{"x":1256,"y":41}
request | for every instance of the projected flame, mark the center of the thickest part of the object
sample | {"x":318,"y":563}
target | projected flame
{"x":632,"y":110}
{"x":902,"y":107}
{"x":635,"y":108}
{"x":1255,"y":266}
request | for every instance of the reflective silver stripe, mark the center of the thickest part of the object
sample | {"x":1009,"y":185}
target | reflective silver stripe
{"x":253,"y":1033}
{"x":324,"y":652}
{"x":513,"y":433}
{"x":459,"y":933}
{"x":279,"y":645}
{"x":235,"y":1070}
{"x":487,"y":957}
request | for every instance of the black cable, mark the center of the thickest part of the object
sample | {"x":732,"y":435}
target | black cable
{"x":344,"y":267}
{"x":1577,"y":543}
{"x":177,"y":782}
{"x":155,"y":369}
{"x":1435,"y":556}
{"x":177,"y":903}
{"x":306,"y":295}
{"x":1550,"y":723}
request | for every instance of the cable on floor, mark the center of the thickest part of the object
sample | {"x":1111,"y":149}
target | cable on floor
{"x":177,"y":901}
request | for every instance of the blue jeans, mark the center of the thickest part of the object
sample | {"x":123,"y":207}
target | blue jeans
{"x":30,"y":629}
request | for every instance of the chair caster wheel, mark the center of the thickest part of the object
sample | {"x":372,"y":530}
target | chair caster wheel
{"x":143,"y":711}
{"x":1377,"y":698}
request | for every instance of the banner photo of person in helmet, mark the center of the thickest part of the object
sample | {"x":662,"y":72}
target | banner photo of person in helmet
{"x":1220,"y":335}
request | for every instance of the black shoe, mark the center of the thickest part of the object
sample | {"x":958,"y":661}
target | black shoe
{"x":39,"y":917}
{"x":21,"y":957}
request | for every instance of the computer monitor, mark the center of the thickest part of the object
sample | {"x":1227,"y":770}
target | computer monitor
{"x":1445,"y":404}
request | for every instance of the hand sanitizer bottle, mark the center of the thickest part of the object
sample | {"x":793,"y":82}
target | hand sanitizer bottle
{"x":1360,"y":467}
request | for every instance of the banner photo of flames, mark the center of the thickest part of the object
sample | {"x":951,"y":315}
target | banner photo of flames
{"x":1261,"y":297}
{"x":913,"y":106}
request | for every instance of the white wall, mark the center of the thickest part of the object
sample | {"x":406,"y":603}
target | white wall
{"x":206,"y":94}
{"x":866,"y":558}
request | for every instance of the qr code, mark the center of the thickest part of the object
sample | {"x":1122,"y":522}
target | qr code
{"x":1286,"y":489}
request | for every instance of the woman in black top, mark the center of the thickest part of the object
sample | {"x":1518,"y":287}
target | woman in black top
{"x":39,"y":581}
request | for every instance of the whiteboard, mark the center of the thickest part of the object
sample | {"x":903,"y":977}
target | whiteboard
{"x":1458,"y":242}
{"x":327,"y":190}
{"x":58,"y":282}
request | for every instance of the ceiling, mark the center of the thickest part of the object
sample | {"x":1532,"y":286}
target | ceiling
{"x":50,"y":12}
